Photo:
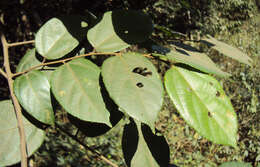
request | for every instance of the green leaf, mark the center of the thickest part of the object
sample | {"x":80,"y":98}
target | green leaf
{"x":118,"y":29}
{"x":235,"y":164}
{"x":227,"y":50}
{"x":143,"y":157}
{"x":190,"y":56}
{"x":201,"y":101}
{"x":29,"y":60}
{"x":134,"y":84}
{"x":76,"y":86}
{"x":103,"y":36}
{"x":33,"y":92}
{"x":53,"y":40}
{"x":10,"y":138}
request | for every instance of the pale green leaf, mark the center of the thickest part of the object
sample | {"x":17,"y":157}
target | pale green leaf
{"x":10,"y":138}
{"x":188,"y":55}
{"x":76,"y":87}
{"x":201,"y":101}
{"x":143,"y":157}
{"x":28,"y":60}
{"x":118,"y":29}
{"x":227,"y":50}
{"x":33,"y":92}
{"x":134,"y":84}
{"x":103,"y":36}
{"x":53,"y":40}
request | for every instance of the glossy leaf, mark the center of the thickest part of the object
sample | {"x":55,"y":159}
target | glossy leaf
{"x":188,"y":55}
{"x":76,"y":86}
{"x":201,"y":101}
{"x":118,"y":29}
{"x":53,"y":40}
{"x":9,"y":135}
{"x":33,"y":92}
{"x":143,"y":157}
{"x":29,"y":60}
{"x":235,"y":164}
{"x":227,"y":50}
{"x":134,"y":84}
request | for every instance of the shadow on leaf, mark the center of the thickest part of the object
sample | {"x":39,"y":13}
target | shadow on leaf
{"x":132,"y":26}
{"x":92,"y":129}
{"x":157,"y":145}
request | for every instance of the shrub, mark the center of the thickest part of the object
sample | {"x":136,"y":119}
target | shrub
{"x":126,"y":84}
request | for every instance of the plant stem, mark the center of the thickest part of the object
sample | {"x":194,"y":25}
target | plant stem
{"x":86,"y":147}
{"x":20,"y":43}
{"x":3,"y":73}
{"x":63,"y":61}
{"x":16,"y":104}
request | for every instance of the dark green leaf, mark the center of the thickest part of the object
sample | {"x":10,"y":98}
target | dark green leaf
{"x":201,"y":101}
{"x":33,"y":92}
{"x":76,"y":86}
{"x":134,"y":84}
{"x":10,"y":138}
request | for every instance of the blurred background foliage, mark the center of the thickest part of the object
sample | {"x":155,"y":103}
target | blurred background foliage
{"x":236,"y":22}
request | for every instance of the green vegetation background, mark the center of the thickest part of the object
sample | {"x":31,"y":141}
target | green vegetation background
{"x":237,"y":22}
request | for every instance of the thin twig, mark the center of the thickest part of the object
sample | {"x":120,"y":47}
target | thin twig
{"x":62,"y":61}
{"x":17,"y":106}
{"x":20,"y":43}
{"x":85,"y":146}
{"x":3,"y":73}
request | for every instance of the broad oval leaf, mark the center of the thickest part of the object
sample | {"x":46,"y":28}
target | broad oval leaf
{"x":118,"y":29}
{"x":235,"y":164}
{"x":76,"y":86}
{"x":33,"y":92}
{"x":10,"y":138}
{"x":28,"y":60}
{"x":227,"y":50}
{"x":134,"y":84}
{"x":201,"y":101}
{"x":53,"y":40}
{"x":188,"y":55}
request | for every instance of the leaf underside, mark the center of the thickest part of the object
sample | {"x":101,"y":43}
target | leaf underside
{"x":201,"y":101}
{"x":188,"y":55}
{"x":227,"y":50}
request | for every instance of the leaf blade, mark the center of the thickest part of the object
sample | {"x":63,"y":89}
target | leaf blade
{"x":53,"y":40}
{"x":190,"y":56}
{"x":33,"y":92}
{"x":9,"y":135}
{"x":76,"y":86}
{"x":227,"y":50}
{"x":138,"y":94}
{"x":203,"y":104}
